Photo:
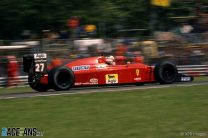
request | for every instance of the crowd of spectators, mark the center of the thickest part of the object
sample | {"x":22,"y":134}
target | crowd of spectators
{"x":184,"y":44}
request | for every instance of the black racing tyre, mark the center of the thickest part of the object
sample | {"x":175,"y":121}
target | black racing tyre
{"x":61,"y":78}
{"x":37,"y":86}
{"x":165,"y":72}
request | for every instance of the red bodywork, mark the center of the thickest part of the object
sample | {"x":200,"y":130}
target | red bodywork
{"x":95,"y":71}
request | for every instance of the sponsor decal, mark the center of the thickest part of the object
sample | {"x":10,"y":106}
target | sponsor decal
{"x":40,"y":55}
{"x":185,"y":78}
{"x":77,"y":83}
{"x":82,"y":83}
{"x":101,"y":66}
{"x":137,"y":72}
{"x":83,"y":67}
{"x":137,"y":79}
{"x":94,"y":81}
{"x":111,"y":78}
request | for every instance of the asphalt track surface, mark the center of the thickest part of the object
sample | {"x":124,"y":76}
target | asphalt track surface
{"x":85,"y":90}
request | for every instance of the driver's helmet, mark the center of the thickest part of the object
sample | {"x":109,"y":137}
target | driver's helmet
{"x":110,"y":60}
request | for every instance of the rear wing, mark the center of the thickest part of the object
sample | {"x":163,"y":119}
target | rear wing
{"x":35,"y":63}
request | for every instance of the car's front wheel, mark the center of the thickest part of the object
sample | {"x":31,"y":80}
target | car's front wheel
{"x":165,"y":72}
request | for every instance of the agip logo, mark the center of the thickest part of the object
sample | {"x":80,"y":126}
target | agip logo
{"x":111,"y":78}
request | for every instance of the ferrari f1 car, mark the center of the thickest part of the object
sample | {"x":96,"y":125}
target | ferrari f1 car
{"x":94,"y":71}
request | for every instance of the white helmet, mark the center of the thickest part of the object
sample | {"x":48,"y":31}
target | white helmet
{"x":110,"y":60}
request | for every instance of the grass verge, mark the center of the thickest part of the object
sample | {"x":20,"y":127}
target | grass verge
{"x":153,"y":113}
{"x":5,"y":90}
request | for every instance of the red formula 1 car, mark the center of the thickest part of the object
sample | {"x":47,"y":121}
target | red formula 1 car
{"x":97,"y":71}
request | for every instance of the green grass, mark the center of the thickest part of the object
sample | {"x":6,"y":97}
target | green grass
{"x":153,"y":113}
{"x":201,"y":78}
{"x":5,"y":90}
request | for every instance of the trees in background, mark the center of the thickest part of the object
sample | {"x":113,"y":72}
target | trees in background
{"x":109,"y":15}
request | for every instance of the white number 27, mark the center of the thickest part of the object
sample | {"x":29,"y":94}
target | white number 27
{"x":39,"y":67}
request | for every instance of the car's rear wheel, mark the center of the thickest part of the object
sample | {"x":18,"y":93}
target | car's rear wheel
{"x":37,"y":86}
{"x":61,"y":78}
{"x":165,"y":72}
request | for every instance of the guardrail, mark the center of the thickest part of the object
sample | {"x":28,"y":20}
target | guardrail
{"x":22,"y":80}
{"x":192,"y":70}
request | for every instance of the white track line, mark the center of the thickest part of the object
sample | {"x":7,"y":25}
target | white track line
{"x":28,"y":95}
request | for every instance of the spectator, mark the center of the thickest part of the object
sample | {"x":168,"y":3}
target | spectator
{"x":121,"y":49}
{"x":186,"y":28}
{"x":12,"y":71}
